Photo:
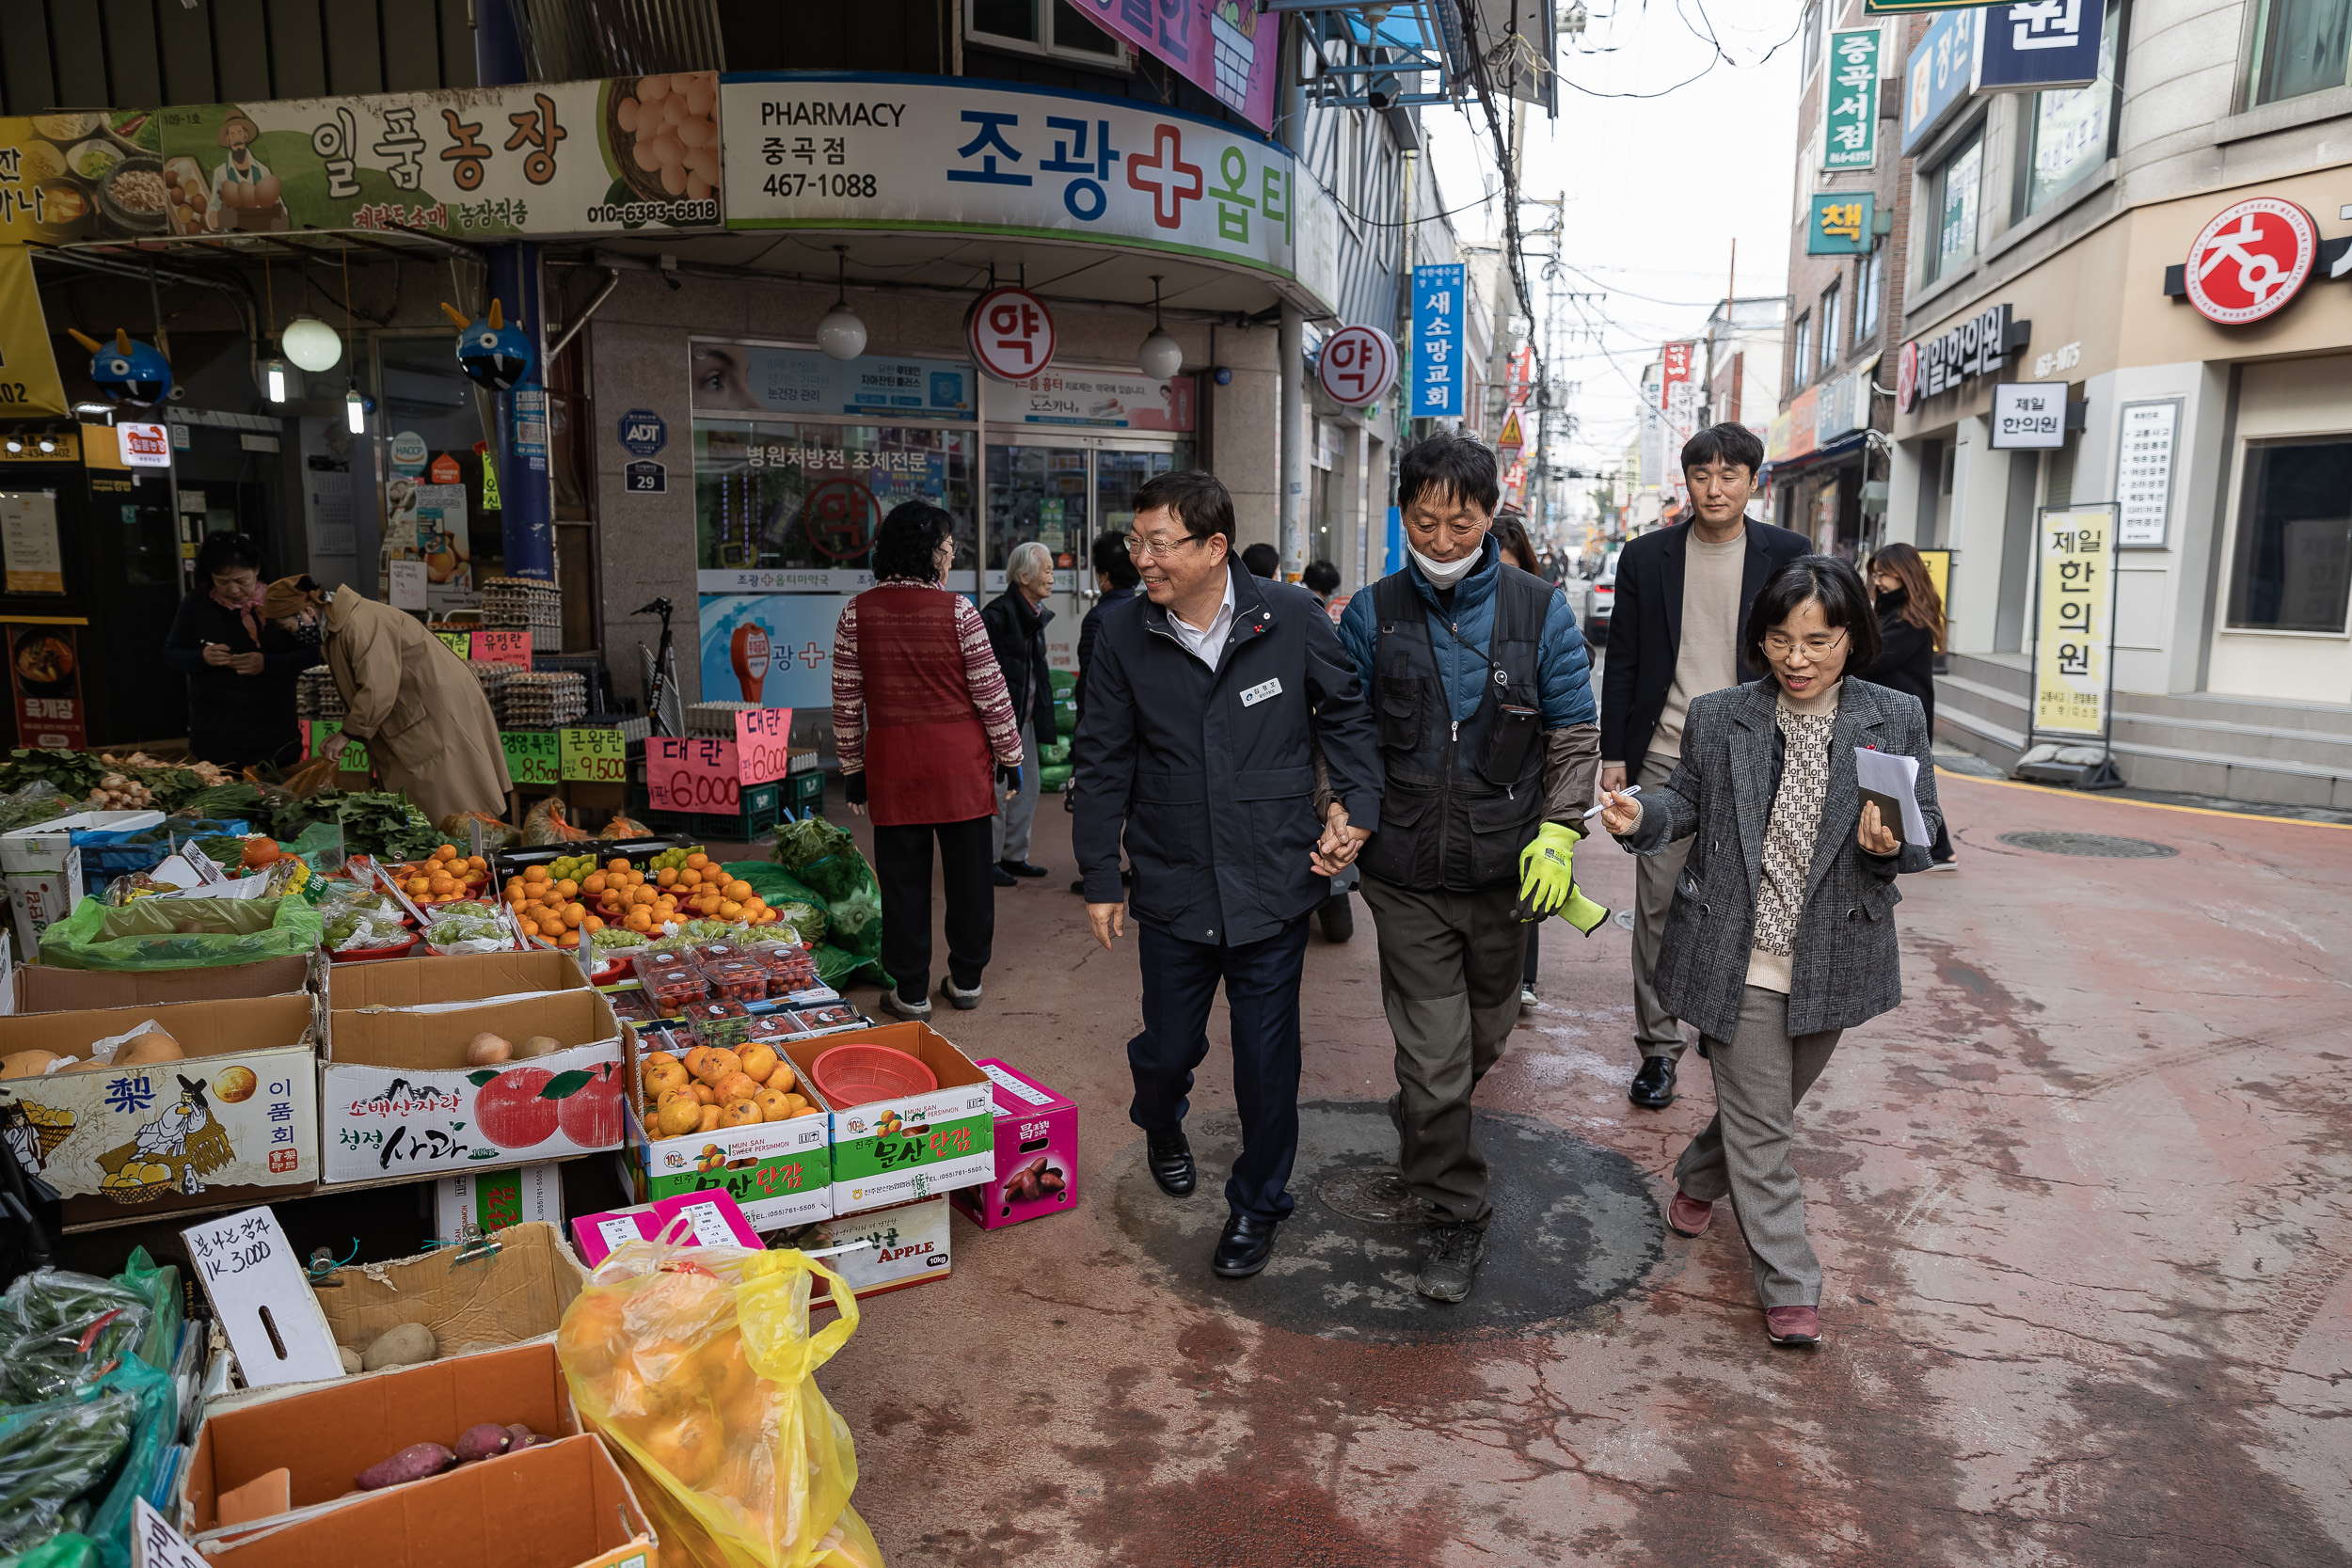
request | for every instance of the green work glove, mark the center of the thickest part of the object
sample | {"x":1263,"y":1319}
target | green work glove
{"x":1582,"y":913}
{"x":1545,"y":869}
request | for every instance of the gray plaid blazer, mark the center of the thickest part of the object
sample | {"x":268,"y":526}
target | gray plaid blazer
{"x":1847,"y":967}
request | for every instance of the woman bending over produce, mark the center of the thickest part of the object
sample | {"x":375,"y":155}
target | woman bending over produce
{"x":428,"y":727}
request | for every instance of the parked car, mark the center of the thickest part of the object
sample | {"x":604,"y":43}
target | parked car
{"x":1596,"y":596}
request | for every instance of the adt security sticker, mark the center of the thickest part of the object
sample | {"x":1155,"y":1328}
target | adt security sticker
{"x":642,"y":431}
{"x":1252,"y":696}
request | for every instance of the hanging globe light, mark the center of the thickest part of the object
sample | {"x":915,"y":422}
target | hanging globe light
{"x":310,"y":343}
{"x":841,"y":334}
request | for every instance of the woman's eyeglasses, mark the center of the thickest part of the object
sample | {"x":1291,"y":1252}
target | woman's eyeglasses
{"x":1815,"y":645}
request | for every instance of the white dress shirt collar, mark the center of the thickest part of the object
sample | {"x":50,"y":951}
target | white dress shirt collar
{"x":1208,"y":642}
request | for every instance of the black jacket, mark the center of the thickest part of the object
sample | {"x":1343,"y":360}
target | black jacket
{"x":233,"y":718}
{"x":1906,"y":661}
{"x":1209,"y":775}
{"x":1645,"y":629}
{"x":1016,"y":629}
{"x":1089,"y":629}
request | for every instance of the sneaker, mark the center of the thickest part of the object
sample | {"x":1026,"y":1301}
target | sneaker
{"x":961,"y":1000}
{"x":1526,"y":999}
{"x":1945,"y":865}
{"x":1455,"y":1254}
{"x":899,"y":1006}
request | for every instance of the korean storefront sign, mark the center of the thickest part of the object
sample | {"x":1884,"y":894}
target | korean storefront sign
{"x":1977,"y":346}
{"x":1113,"y":400}
{"x":81,"y":175}
{"x":2143,"y":473}
{"x":1357,"y":364}
{"x":1838,"y":223}
{"x":1011,"y":333}
{"x":1678,"y":398}
{"x":1438,"y":370}
{"x":28,"y":370}
{"x":1937,"y":77}
{"x":764,"y":378}
{"x":1849,"y":118}
{"x":1227,"y":50}
{"x":2251,"y":259}
{"x":534,"y":158}
{"x":2039,"y":45}
{"x":2028,"y":415}
{"x":816,"y":150}
{"x":2075,"y":640}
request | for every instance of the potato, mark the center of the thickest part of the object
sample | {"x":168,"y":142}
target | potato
{"x":488,"y":1050}
{"x":351,"y":1360}
{"x":413,"y":1462}
{"x":402,"y":1345}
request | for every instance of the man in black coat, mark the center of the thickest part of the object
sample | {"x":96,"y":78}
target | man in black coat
{"x":1116,"y":579}
{"x":1684,"y":594}
{"x":1205,"y":702}
{"x":1016,"y":621}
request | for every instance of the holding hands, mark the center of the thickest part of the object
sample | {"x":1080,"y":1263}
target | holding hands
{"x":1338,"y":848}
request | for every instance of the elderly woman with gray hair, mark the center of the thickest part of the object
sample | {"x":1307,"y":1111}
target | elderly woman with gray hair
{"x":1016,"y":622}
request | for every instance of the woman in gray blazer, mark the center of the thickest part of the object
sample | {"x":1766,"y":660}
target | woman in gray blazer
{"x":1782,"y":931}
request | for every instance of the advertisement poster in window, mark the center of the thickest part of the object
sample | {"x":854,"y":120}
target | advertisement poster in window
{"x":793,"y":507}
{"x":426,"y":523}
{"x":28,"y":541}
{"x":45,"y":678}
{"x":2075,"y":641}
{"x":1111,"y":400}
{"x":771,"y":648}
{"x":770,"y":378}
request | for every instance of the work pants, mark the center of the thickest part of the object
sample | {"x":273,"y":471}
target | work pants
{"x":1449,"y":966}
{"x":1011,"y":834}
{"x":902,"y":864}
{"x":1760,"y":1075}
{"x":1180,"y":980}
{"x":1656,"y":1031}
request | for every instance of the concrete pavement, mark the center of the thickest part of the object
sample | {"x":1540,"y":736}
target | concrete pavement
{"x":2082,"y":1204}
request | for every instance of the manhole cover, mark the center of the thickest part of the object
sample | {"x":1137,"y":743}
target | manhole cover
{"x":1575,"y":1225}
{"x":2096,"y":845}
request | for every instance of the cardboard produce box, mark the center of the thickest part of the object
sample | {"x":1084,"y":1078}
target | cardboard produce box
{"x":561,"y":1505}
{"x":237,"y":1122}
{"x":43,"y":867}
{"x":906,"y":1244}
{"x":1037,"y":1133}
{"x":478,"y":1203}
{"x":779,"y":1173}
{"x":891,"y":1150}
{"x":47,"y":989}
{"x":327,"y":1432}
{"x":459,"y":977}
{"x":397,"y":1097}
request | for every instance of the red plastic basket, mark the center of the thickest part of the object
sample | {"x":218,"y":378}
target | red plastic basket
{"x":859,"y":1074}
{"x":361,"y":955}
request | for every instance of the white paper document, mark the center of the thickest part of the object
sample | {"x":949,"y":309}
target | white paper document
{"x":1892,"y":781}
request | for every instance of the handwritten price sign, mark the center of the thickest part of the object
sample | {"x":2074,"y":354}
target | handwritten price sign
{"x":502,"y":647}
{"x":533,"y":756}
{"x":760,"y":737}
{"x":458,"y":642}
{"x":706,"y":774}
{"x":355,"y":757}
{"x":596,"y":756}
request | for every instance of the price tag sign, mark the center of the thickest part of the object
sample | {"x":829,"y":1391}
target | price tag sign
{"x":595,"y":756}
{"x":533,"y":756}
{"x":761,"y":744}
{"x":502,"y":647}
{"x":156,"y":1543}
{"x":355,"y":757}
{"x":691,"y":773}
{"x":262,"y":1298}
{"x":458,"y":642}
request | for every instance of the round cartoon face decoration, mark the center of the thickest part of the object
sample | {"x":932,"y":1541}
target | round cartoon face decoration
{"x":127,"y":372}
{"x":491,"y":352}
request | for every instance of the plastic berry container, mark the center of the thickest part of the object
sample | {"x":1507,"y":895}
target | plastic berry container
{"x":837,"y":1015}
{"x":715,"y":952}
{"x":670,"y":982}
{"x":737,"y":979}
{"x":775,"y":1027}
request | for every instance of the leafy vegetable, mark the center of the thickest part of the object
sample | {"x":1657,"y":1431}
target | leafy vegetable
{"x":374,"y":823}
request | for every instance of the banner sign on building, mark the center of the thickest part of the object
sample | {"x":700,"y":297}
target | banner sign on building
{"x":1355,"y":366}
{"x":1229,"y":51}
{"x":1678,"y":398}
{"x":1838,"y":223}
{"x":2038,"y":46}
{"x":1850,"y":117}
{"x":830,"y":151}
{"x":1977,"y":346}
{"x":80,"y":175}
{"x":1937,"y":76}
{"x":28,"y":368}
{"x":1439,"y":370}
{"x":1110,"y":400}
{"x":2076,"y":638}
{"x":536,"y":158}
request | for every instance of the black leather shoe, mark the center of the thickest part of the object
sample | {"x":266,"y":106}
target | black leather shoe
{"x":1337,"y":915}
{"x":1654,"y":1085}
{"x":1243,"y":1247}
{"x":1171,"y":1161}
{"x":1002,"y":876}
{"x":1021,"y":868}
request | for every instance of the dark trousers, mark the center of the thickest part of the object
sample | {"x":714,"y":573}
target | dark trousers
{"x":1449,"y":965}
{"x":1180,"y":980}
{"x":902,"y":864}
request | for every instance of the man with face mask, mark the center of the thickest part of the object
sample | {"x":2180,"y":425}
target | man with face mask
{"x":1488,"y":741}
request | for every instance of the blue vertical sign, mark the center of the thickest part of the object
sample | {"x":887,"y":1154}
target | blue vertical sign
{"x":1939,"y":74}
{"x":1438,"y":369}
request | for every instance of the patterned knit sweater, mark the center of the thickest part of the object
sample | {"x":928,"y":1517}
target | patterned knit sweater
{"x":1796,"y":824}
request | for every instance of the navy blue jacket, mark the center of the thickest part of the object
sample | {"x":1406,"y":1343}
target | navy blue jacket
{"x":1209,"y":775}
{"x":1090,"y":628}
{"x":1563,"y":668}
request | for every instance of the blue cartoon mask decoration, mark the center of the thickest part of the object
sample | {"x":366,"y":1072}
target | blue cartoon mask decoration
{"x":491,"y":352}
{"x":127,"y":372}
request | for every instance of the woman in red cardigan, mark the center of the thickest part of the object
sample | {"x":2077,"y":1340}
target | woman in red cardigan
{"x":920,"y":711}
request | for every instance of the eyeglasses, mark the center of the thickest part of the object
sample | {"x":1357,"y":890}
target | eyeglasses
{"x":1144,"y":549}
{"x":1815,"y":645}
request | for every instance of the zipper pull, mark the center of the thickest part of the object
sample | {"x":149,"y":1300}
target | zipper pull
{"x":1458,"y":732}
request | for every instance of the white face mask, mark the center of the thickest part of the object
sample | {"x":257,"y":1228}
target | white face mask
{"x":1445,"y":574}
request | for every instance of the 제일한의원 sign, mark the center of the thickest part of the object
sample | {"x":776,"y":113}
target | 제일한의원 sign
{"x":2078,"y":623}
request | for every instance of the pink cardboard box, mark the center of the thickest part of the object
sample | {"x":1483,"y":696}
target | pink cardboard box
{"x":710,"y":1218}
{"x":1033,"y":1124}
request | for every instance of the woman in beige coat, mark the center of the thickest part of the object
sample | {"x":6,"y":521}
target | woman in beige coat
{"x":428,"y":728}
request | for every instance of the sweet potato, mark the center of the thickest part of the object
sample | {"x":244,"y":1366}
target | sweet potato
{"x":413,"y":1462}
{"x":483,"y":1441}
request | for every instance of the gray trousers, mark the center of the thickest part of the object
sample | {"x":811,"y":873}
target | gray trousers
{"x":1016,"y":817}
{"x":1656,"y":1031}
{"x":1760,"y":1075}
{"x":1449,"y":982}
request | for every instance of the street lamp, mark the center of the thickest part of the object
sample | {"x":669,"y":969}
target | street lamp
{"x":1160,"y":356}
{"x":841,"y":334}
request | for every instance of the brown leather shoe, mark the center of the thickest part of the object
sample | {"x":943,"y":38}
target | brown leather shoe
{"x":1686,"y":1215}
{"x":1792,"y":1326}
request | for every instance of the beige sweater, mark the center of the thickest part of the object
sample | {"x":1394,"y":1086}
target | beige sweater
{"x":1708,"y":658}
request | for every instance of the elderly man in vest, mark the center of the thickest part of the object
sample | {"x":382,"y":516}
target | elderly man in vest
{"x":1489,"y":745}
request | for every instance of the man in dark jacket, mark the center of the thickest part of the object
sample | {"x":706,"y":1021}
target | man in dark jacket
{"x":1682,"y":597}
{"x":1016,"y":621}
{"x":1115,"y":581}
{"x":1205,"y":702}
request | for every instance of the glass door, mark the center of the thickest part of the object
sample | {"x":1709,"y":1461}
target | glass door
{"x":1041,"y":493}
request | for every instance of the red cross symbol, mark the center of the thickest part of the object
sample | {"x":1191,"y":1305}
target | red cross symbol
{"x":811,"y":656}
{"x":1167,"y":181}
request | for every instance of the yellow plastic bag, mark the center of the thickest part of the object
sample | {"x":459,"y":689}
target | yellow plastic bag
{"x":697,"y":1364}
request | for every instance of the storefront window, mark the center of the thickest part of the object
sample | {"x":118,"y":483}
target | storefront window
{"x":1800,"y":351}
{"x":785,"y":496}
{"x":2069,"y":132}
{"x":2294,"y":562}
{"x":429,"y":422}
{"x":1054,"y":27}
{"x":2300,"y":46}
{"x":1037,"y":493}
{"x":1953,"y":207}
{"x":1869,"y":272}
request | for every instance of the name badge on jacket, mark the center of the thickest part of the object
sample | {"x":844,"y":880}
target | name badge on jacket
{"x":1252,"y":696}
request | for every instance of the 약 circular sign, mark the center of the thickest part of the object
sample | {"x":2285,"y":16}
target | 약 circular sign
{"x":1011,"y":334}
{"x":1907,"y":377}
{"x":839,"y":516}
{"x":2251,"y":259}
{"x":1357,"y":365}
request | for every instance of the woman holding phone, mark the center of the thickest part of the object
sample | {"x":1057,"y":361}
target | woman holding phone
{"x":1782,"y":931}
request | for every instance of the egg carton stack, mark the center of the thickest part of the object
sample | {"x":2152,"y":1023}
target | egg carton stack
{"x":716,"y":718}
{"x":545,"y":699}
{"x":525,"y":602}
{"x":494,"y":679}
{"x":316,"y":695}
